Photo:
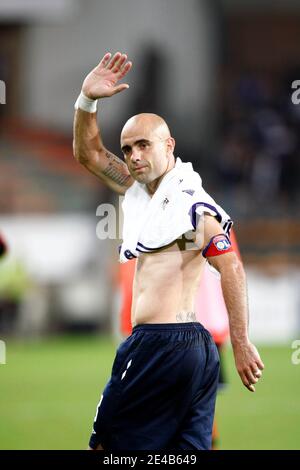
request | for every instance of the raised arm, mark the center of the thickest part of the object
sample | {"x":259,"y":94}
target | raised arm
{"x":233,"y":281}
{"x":88,"y":146}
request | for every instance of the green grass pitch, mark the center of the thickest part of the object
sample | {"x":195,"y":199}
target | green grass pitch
{"x":49,"y":390}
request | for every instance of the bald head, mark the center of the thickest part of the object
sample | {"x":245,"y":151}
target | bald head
{"x":146,"y":123}
{"x":148,"y":148}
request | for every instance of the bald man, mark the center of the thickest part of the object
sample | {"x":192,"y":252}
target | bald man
{"x":162,"y":391}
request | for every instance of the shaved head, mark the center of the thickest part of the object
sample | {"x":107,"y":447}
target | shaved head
{"x":146,"y":122}
{"x":148,"y":147}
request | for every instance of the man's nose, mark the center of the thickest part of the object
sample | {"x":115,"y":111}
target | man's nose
{"x":135,"y":155}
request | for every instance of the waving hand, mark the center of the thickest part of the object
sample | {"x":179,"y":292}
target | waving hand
{"x":103,"y":80}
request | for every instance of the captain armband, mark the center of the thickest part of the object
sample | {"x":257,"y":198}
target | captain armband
{"x":218,"y":245}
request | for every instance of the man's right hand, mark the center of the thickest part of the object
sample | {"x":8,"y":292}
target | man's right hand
{"x":102,"y":81}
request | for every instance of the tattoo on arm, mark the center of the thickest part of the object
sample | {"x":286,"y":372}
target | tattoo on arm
{"x":185,"y":317}
{"x":114,"y":173}
{"x":113,"y":159}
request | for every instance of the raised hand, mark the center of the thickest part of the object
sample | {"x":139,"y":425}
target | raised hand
{"x":102,"y":80}
{"x":249,"y":364}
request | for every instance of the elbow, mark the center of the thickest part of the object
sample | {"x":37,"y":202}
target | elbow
{"x":79,"y":155}
{"x":235,"y":268}
{"x":238,"y":267}
{"x":75,"y":154}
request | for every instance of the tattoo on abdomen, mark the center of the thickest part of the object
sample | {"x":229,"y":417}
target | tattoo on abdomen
{"x":185,"y":317}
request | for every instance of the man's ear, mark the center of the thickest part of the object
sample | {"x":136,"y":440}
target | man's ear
{"x":170,"y":144}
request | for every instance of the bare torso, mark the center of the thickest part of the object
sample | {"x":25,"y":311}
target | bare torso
{"x":165,"y":285}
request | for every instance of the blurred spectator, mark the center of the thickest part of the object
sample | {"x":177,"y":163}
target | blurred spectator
{"x":13,"y":286}
{"x":3,"y":247}
{"x":258,"y":157}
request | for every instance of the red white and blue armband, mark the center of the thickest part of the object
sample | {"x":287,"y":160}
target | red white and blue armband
{"x":218,"y":245}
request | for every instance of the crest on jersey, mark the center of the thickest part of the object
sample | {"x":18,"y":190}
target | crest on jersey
{"x":188,"y":191}
{"x":221,"y":242}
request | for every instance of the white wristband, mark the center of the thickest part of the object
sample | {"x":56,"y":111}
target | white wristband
{"x":85,"y":103}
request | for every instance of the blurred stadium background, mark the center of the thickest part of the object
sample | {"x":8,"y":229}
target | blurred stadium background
{"x":220,"y":73}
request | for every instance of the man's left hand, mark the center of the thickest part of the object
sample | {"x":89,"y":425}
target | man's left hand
{"x":248,"y":363}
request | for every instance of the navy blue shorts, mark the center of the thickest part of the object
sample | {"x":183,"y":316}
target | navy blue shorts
{"x":162,"y":392}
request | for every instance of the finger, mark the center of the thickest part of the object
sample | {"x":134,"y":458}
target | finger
{"x":115,"y":58}
{"x":125,"y":69}
{"x":120,"y":88}
{"x":260,"y":364}
{"x":248,"y":384}
{"x":250,"y":377}
{"x":251,"y":387}
{"x":119,"y":63}
{"x":105,"y":59}
{"x":256,"y":372}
